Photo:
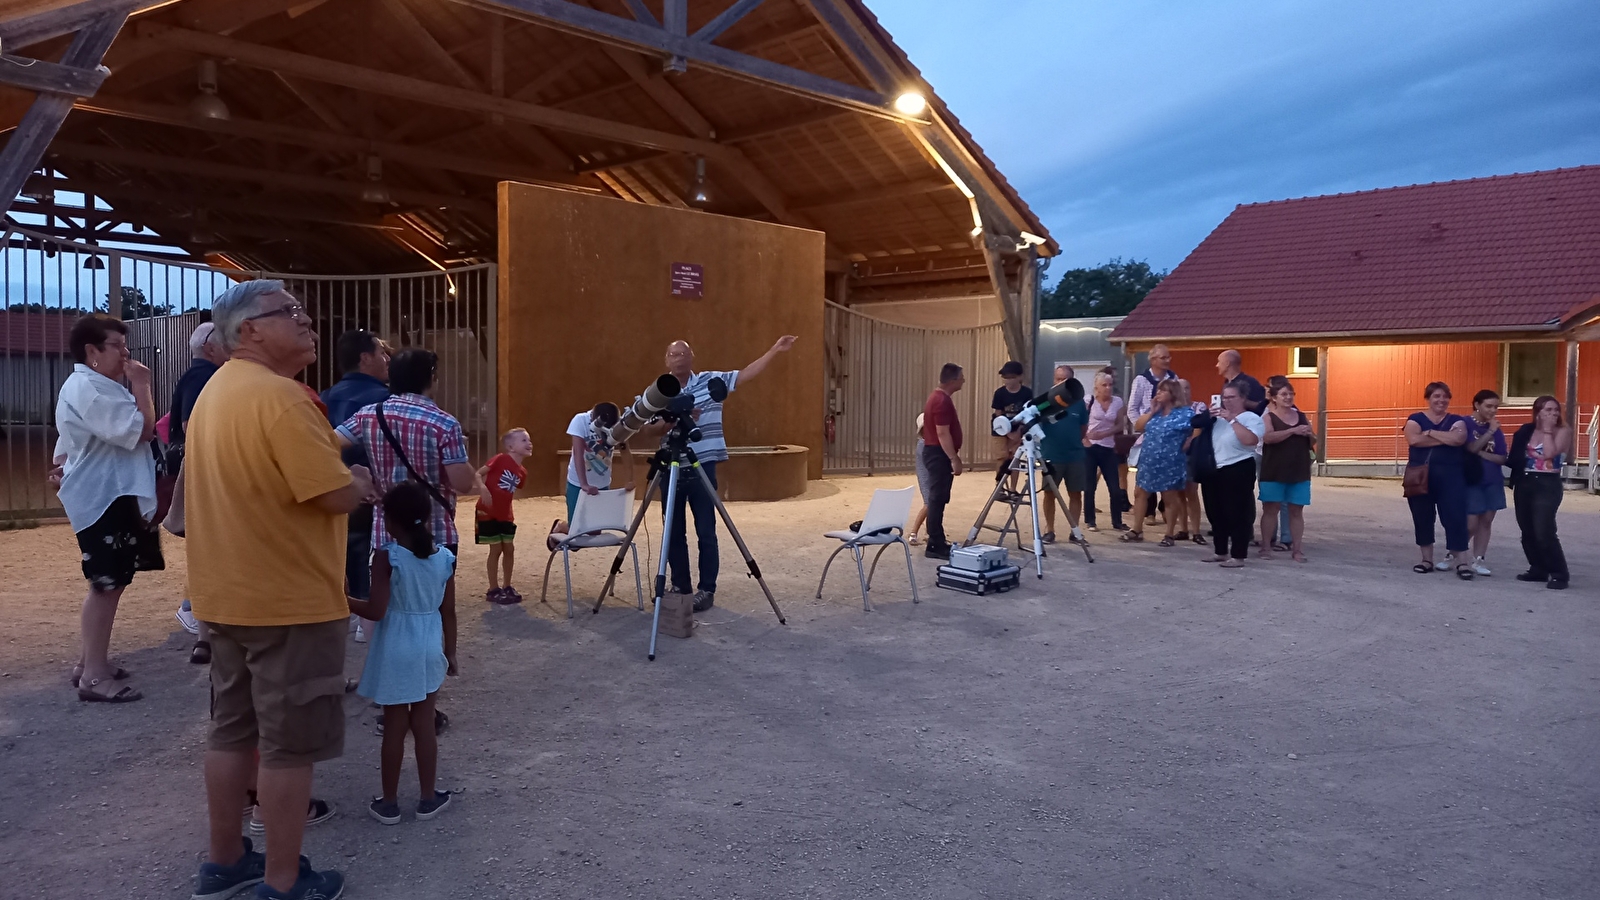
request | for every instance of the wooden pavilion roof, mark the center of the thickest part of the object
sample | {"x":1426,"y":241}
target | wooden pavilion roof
{"x":454,"y":96}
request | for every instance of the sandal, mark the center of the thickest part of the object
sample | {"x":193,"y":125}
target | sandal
{"x":201,"y":654}
{"x":440,"y":722}
{"x":1422,"y":568}
{"x":125,"y":695}
{"x":1463,"y":571}
{"x":1199,"y":539}
{"x":1132,"y":537}
{"x":1280,"y":546}
{"x":1181,"y":536}
{"x":914,"y":540}
{"x":1166,"y":541}
{"x":120,"y":674}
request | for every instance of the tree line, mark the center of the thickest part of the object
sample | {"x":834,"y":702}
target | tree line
{"x":1111,"y":289}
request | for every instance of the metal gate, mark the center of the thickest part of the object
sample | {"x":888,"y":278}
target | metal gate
{"x":879,"y":376}
{"x":49,"y":283}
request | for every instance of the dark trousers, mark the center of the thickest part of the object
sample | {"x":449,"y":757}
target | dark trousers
{"x":1230,"y":499}
{"x":1447,"y":494}
{"x":692,"y":491}
{"x":1537,"y":497}
{"x":941,"y":477}
{"x":358,"y":554}
{"x":1103,"y":464}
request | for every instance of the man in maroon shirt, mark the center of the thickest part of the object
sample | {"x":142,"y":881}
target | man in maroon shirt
{"x":941,"y":453}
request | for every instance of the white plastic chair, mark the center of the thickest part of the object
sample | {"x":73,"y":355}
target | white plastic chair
{"x":600,"y":520}
{"x":887,"y":513}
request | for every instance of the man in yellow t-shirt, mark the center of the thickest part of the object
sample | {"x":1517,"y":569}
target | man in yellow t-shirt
{"x":266,"y":501}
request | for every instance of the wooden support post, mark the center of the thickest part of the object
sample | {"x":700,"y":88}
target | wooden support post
{"x":1570,"y":405}
{"x":1028,"y":306}
{"x":43,"y":119}
{"x":1322,"y":410}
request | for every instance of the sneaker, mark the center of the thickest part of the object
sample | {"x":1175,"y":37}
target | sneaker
{"x":427,"y":809}
{"x":385,"y":813}
{"x":317,"y":812}
{"x":187,"y":620}
{"x":1077,"y":537}
{"x":1478,"y":568}
{"x":218,"y":882}
{"x":492,"y":595}
{"x":933,"y":552}
{"x":1121,"y":528}
{"x":1092,"y":527}
{"x":311,"y":885}
{"x":704,"y":600}
{"x":361,"y":634}
{"x":511,"y":594}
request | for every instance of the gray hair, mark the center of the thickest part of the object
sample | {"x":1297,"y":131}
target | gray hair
{"x":202,"y":336}
{"x":1107,"y":377}
{"x":238,"y":303}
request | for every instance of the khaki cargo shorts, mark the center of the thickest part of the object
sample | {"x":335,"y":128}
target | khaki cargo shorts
{"x":279,"y":689}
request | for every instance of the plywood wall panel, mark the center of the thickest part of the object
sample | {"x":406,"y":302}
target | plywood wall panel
{"x":586,"y":314}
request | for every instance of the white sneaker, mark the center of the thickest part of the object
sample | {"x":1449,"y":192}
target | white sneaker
{"x":187,"y":620}
{"x":1443,"y":566}
{"x":361,"y":635}
{"x":1478,"y":568}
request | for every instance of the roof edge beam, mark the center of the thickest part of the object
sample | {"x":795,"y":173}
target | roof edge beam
{"x":591,"y":23}
{"x":54,"y":23}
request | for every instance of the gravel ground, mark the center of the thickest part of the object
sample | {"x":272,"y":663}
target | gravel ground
{"x":1147,"y":726}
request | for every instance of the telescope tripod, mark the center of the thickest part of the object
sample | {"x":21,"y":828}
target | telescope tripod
{"x":669,"y":465}
{"x":1040,"y":475}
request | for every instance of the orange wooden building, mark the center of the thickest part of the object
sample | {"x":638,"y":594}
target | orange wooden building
{"x":1362,"y":299}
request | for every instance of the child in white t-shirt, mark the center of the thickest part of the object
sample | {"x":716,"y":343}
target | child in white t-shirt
{"x":589,"y":471}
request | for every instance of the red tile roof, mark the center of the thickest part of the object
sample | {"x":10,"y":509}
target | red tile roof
{"x":1508,"y":253}
{"x":31,"y":331}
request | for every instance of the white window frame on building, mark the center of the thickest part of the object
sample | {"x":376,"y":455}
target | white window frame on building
{"x":1512,"y":386}
{"x":1297,"y":357}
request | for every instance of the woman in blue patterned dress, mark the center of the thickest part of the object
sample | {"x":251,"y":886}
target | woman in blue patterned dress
{"x":1162,"y":463}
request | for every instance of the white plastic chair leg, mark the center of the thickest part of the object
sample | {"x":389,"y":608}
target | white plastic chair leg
{"x":911,"y":573}
{"x":866,"y":602}
{"x":638,"y":583}
{"x":544,"y":589}
{"x":566,"y":566}
{"x":825,"y":567}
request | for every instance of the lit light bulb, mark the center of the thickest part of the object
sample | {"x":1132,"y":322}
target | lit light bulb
{"x":910,"y":103}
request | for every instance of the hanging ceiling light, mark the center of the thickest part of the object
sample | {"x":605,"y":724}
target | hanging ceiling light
{"x":206,"y":104}
{"x":93,"y":262}
{"x":911,"y":103}
{"x":699,"y":196}
{"x":375,"y":192}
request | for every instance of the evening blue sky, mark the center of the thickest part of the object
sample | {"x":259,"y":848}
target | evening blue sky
{"x":1133,"y":127}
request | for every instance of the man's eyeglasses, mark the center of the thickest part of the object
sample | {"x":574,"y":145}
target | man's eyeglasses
{"x":295,"y":311}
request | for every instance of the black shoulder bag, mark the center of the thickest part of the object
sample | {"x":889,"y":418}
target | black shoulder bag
{"x":401,"y":454}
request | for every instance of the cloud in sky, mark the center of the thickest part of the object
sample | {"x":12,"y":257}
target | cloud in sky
{"x":1133,"y":128}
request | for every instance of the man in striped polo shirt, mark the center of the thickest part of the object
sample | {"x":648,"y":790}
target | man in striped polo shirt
{"x":711,"y":449}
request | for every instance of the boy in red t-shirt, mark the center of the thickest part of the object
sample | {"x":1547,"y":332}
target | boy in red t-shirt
{"x":496,"y":525}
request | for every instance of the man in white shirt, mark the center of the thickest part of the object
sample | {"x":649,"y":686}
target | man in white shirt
{"x":711,"y":449}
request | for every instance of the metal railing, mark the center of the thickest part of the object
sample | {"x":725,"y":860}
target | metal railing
{"x":1376,"y":436}
{"x":49,"y":282}
{"x":879,"y":376}
{"x":1594,"y":450}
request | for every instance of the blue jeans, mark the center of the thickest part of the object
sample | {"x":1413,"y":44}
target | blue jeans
{"x":692,"y":491}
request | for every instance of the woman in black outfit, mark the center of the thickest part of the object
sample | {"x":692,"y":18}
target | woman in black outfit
{"x":1537,"y":453}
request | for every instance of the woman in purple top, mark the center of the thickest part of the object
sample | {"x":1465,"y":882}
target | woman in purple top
{"x":1487,"y":442}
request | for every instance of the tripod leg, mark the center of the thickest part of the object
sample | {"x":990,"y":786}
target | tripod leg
{"x":749,"y":561}
{"x":638,"y":585}
{"x":638,"y":519}
{"x":661,"y":567}
{"x":1030,"y":448}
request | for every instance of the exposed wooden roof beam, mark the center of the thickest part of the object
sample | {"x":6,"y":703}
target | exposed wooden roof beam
{"x":592,"y":23}
{"x":65,"y":18}
{"x":338,"y":143}
{"x":43,"y":77}
{"x":878,"y":194}
{"x":417,"y":90}
{"x":725,"y":20}
{"x":429,"y":45}
{"x":267,"y":207}
{"x":778,"y":126}
{"x":932,"y":276}
{"x":164,"y":162}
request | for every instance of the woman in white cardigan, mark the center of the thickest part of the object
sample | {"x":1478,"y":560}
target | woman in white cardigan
{"x":106,"y":480}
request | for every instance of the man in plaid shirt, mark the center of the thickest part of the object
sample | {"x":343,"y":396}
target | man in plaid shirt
{"x":434,"y":445}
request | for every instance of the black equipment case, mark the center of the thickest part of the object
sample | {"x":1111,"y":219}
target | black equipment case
{"x":967,"y":581}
